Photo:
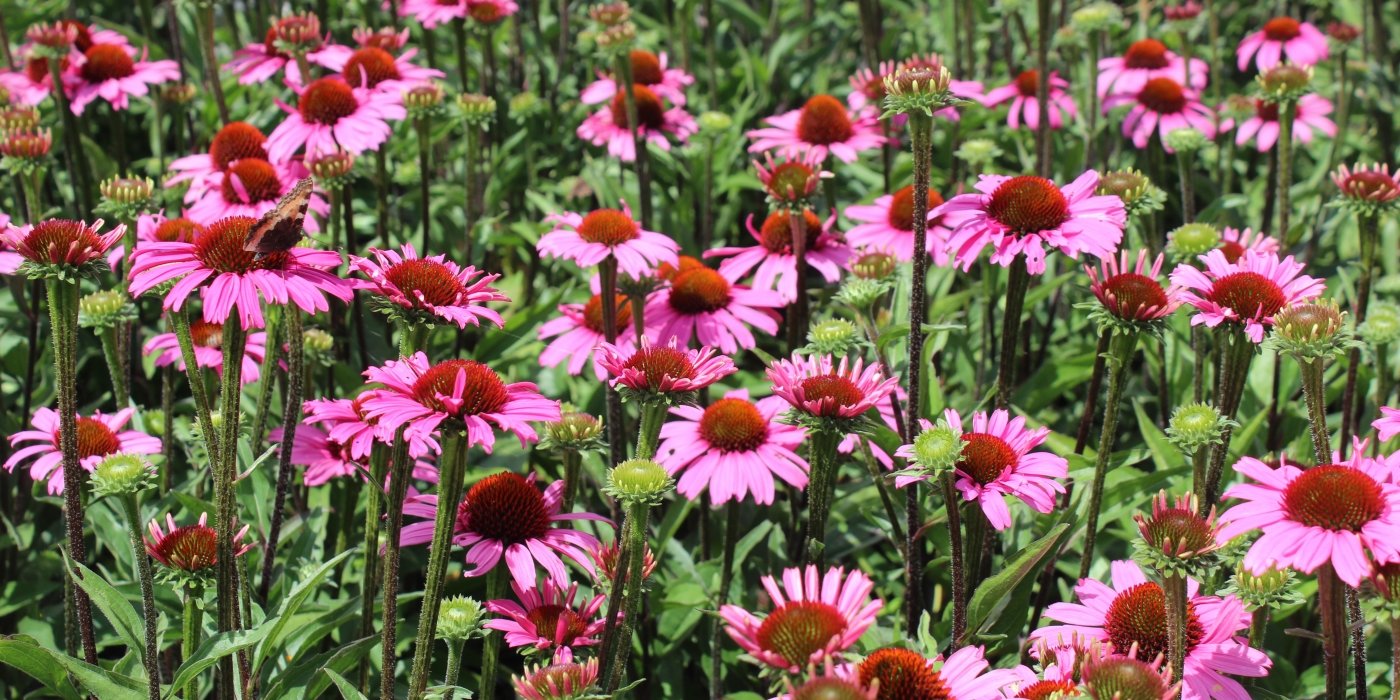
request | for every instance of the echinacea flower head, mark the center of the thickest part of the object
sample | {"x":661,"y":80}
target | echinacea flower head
{"x":548,"y":617}
{"x":1144,"y":60}
{"x":331,"y":115}
{"x":1129,"y":678}
{"x":650,"y":70}
{"x":1132,"y":294}
{"x":105,"y":308}
{"x":663,"y":372}
{"x":709,"y":305}
{"x":774,"y":261}
{"x":99,"y":436}
{"x":1247,"y":293}
{"x":333,"y":170}
{"x":1025,"y":215}
{"x":465,"y":394}
{"x":1309,"y":118}
{"x":252,"y":187}
{"x":231,"y":279}
{"x":903,"y":674}
{"x":1370,"y":189}
{"x":815,"y":616}
{"x":233,"y":142}
{"x":1283,"y":37}
{"x":505,"y":516}
{"x":1136,"y":190}
{"x":189,"y":552}
{"x":658,"y":121}
{"x":588,"y":239}
{"x":1235,"y":242}
{"x":1311,"y":331}
{"x":732,"y":448}
{"x":1175,"y":534}
{"x":823,"y":125}
{"x":1022,"y":93}
{"x":62,"y":248}
{"x":288,"y":37}
{"x":790,"y":180}
{"x":122,"y":474}
{"x":887,"y":225}
{"x":607,"y":557}
{"x":1162,"y":105}
{"x":1342,"y":32}
{"x":427,"y":290}
{"x":1346,"y":514}
{"x":347,"y":424}
{"x":921,"y":89}
{"x":25,"y":150}
{"x":1130,"y":616}
{"x":208,"y":341}
{"x":825,"y":392}
{"x":115,"y":73}
{"x":573,"y":680}
{"x":1197,"y":425}
{"x":377,"y":69}
{"x":829,"y":684}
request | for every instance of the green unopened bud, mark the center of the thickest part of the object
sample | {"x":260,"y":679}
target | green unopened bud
{"x":423,"y":99}
{"x":938,"y":449}
{"x":616,"y":39}
{"x":921,"y":89}
{"x":476,"y":110}
{"x":319,"y":347}
{"x":459,"y":619}
{"x":861,"y":294}
{"x":1382,"y":324}
{"x":977,"y":152}
{"x":834,"y":336}
{"x":1136,"y":190}
{"x":122,"y":474}
{"x":714,"y":123}
{"x":574,"y":432}
{"x":105,"y":309}
{"x":18,"y":118}
{"x":1190,"y":240}
{"x":1270,"y":589}
{"x":1186,"y":140}
{"x":1127,"y":678}
{"x":874,"y":266}
{"x":638,"y":481}
{"x":126,"y":197}
{"x":1284,"y":82}
{"x":610,"y":14}
{"x":1096,"y":17}
{"x":333,"y":170}
{"x":1196,"y":425}
{"x":1308,"y":331}
{"x":178,"y":93}
{"x":524,"y":105}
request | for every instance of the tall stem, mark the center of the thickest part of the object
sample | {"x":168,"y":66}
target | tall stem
{"x":211,"y":63}
{"x":225,"y":503}
{"x":1120,"y":353}
{"x":1368,"y":231}
{"x":1093,"y":114}
{"x":134,"y":529}
{"x":1285,"y":171}
{"x":726,"y":579}
{"x":1332,"y":606}
{"x":921,"y":142}
{"x":454,"y":661}
{"x":191,"y":624}
{"x":400,"y":469}
{"x":1188,"y":193}
{"x":472,"y":153}
{"x":421,"y":125}
{"x":110,"y":353}
{"x":491,"y":646}
{"x":797,"y":320}
{"x":820,"y":491}
{"x":607,"y":273}
{"x":291,"y":418}
{"x":369,"y":583}
{"x":450,"y":486}
{"x":623,"y":71}
{"x":268,"y":371}
{"x":1237,"y":352}
{"x":636,"y":547}
{"x":951,"y":502}
{"x":649,"y":430}
{"x":180,"y":322}
{"x":1174,"y":588}
{"x":1313,"y":392}
{"x":1042,"y":88}
{"x":63,"y":323}
{"x":1395,"y":659}
{"x":1017,"y":282}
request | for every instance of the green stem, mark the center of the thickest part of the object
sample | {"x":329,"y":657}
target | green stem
{"x":821,"y":488}
{"x":1368,"y":233}
{"x":1285,"y":171}
{"x":607,"y":273}
{"x":1258,"y":625}
{"x":1237,"y":352}
{"x":1199,"y":461}
{"x":1356,"y":625}
{"x":491,"y":646}
{"x":459,"y":32}
{"x":369,"y":583}
{"x":180,"y":323}
{"x":422,"y":127}
{"x":1188,"y":193}
{"x":1090,"y":80}
{"x":1120,"y":354}
{"x":623,"y":68}
{"x":1332,"y":606}
{"x":189,"y":639}
{"x":454,"y":661}
{"x":958,"y":565}
{"x":649,"y":430}
{"x":132,"y":511}
{"x":726,"y":580}
{"x":1313,"y":392}
{"x":921,"y":143}
{"x":472,"y":154}
{"x":1395,"y":659}
{"x":400,"y":469}
{"x":1017,"y":282}
{"x":798,"y":319}
{"x":211,"y":63}
{"x":573,"y":461}
{"x":63,"y":323}
{"x":1174,"y":588}
{"x":268,"y":372}
{"x":291,"y":418}
{"x":108,"y":336}
{"x":637,"y":546}
{"x":225,"y":502}
{"x":450,"y":488}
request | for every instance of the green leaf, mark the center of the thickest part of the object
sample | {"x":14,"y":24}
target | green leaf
{"x":290,"y":604}
{"x":347,"y":690}
{"x":24,"y":655}
{"x":113,"y":605}
{"x":215,"y":648}
{"x":1017,"y":568}
{"x":305,"y":680}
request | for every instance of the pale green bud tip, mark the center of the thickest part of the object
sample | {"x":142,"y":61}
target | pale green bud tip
{"x":423,"y":96}
{"x":834,"y":335}
{"x":1099,"y":16}
{"x":862,"y":293}
{"x":1382,"y":325}
{"x":1267,"y":583}
{"x":573,"y":426}
{"x":978,"y":151}
{"x":121,"y":474}
{"x":107,"y":302}
{"x":476,"y":106}
{"x":1309,"y":323}
{"x":1127,"y":185}
{"x":1186,"y":140}
{"x":1195,"y":239}
{"x":939,"y":447}
{"x":1196,"y":425}
{"x":127,"y":190}
{"x":459,"y":618}
{"x":639,"y":479}
{"x":874,"y":266}
{"x":318,"y":341}
{"x":1284,"y":81}
{"x":714,"y":122}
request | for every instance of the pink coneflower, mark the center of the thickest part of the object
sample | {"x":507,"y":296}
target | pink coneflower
{"x":1057,"y":678}
{"x":590,"y":239}
{"x":579,"y":331}
{"x":422,"y":395}
{"x":868,"y":87}
{"x":887,"y":225}
{"x":347,"y":424}
{"x":98,"y":436}
{"x":664,"y":368}
{"x":31,"y":84}
{"x":233,"y":142}
{"x":491,"y":12}
{"x":1302,"y":43}
{"x":707,"y":305}
{"x":823,"y":125}
{"x":332,"y":116}
{"x":1133,"y":613}
{"x":774,"y":259}
{"x":1025,"y":106}
{"x":651,"y":70}
{"x":386,"y":38}
{"x":208,"y":339}
{"x":655,"y":123}
{"x":1309,"y":117}
{"x":1248,"y":292}
{"x":964,"y":675}
{"x":1235,"y":242}
{"x":9,"y":259}
{"x":235,"y":277}
{"x":431,"y":286}
{"x":557,"y":681}
{"x":821,"y":387}
{"x":326,"y":458}
{"x":157,"y":227}
{"x":506,"y":515}
{"x":814,"y":616}
{"x":431,"y":13}
{"x":1145,"y":60}
{"x":378,"y":69}
{"x":190,"y":548}
{"x":1026,"y":214}
{"x":549,"y":616}
{"x":62,"y":241}
{"x":1367,"y":183}
{"x":1388,"y":425}
{"x":112,"y":72}
{"x":260,"y":62}
{"x":997,"y":462}
{"x":1133,"y":293}
{"x":1162,"y":106}
{"x":251,"y":187}
{"x":1332,"y":513}
{"x":732,"y":448}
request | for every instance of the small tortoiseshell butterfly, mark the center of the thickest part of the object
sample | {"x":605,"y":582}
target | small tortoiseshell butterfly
{"x":280,"y":229}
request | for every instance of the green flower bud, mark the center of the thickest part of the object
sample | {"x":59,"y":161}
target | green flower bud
{"x":525,"y":105}
{"x":1136,"y":190}
{"x":1196,"y":425}
{"x":874,"y":266}
{"x":459,"y":619}
{"x":977,"y":152}
{"x":1382,"y":324}
{"x":1284,"y":82}
{"x":835,"y":336}
{"x":1186,"y":140}
{"x":476,"y":110}
{"x":921,"y":89}
{"x":1096,"y":17}
{"x":127,"y":191}
{"x":861,"y":294}
{"x":1308,"y":331}
{"x":714,"y":123}
{"x":423,"y":99}
{"x":574,"y":431}
{"x":122,"y":474}
{"x":1190,"y":240}
{"x":938,"y":449}
{"x":105,"y":309}
{"x":638,"y":481}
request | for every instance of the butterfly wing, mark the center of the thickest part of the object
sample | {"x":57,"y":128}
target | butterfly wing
{"x":281,"y":227}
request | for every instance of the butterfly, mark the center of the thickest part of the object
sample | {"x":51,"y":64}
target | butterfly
{"x":281,"y":227}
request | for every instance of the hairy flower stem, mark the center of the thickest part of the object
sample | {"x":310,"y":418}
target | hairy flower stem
{"x":454,"y":661}
{"x":649,"y":431}
{"x":1174,"y":588}
{"x":1044,"y":31}
{"x":63,"y":323}
{"x":450,"y":488}
{"x":573,"y":462}
{"x":473,"y":152}
{"x":132,"y":511}
{"x":1332,"y":607}
{"x":291,"y":418}
{"x":422,"y":126}
{"x":820,"y":491}
{"x":1237,"y":350}
{"x":268,"y":372}
{"x":726,"y":579}
{"x":622,"y":64}
{"x":798,"y":319}
{"x":491,"y":646}
{"x":1091,"y":394}
{"x":110,"y":353}
{"x":1315,"y":395}
{"x":607,"y":274}
{"x":637,"y":514}
{"x":400,"y":469}
{"x":1120,"y":354}
{"x":616,"y":590}
{"x":369,"y":583}
{"x":72,"y":146}
{"x":1395,"y":659}
{"x":180,"y":322}
{"x":951,"y":502}
{"x":190,"y":625}
{"x":205,"y":23}
{"x":1017,"y":282}
{"x":225,"y":501}
{"x":1356,"y":625}
{"x":1188,"y":192}
{"x":1285,"y":172}
{"x":1368,"y":230}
